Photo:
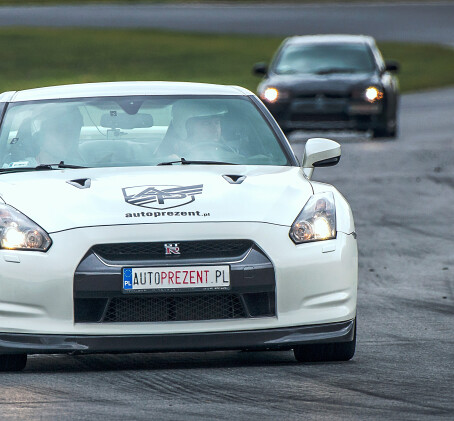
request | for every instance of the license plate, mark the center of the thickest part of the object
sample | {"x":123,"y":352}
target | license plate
{"x":178,"y":277}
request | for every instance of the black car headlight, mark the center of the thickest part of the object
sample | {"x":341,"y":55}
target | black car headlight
{"x":17,"y":232}
{"x":373,"y":94}
{"x":317,"y":220}
{"x":272,"y":94}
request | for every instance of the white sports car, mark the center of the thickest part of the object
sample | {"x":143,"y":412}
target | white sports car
{"x":160,"y":216}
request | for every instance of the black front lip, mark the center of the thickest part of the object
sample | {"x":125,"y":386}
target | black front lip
{"x":280,"y":338}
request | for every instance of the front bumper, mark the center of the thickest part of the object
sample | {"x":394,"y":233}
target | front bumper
{"x":315,"y":283}
{"x":326,"y":113}
{"x":283,"y":338}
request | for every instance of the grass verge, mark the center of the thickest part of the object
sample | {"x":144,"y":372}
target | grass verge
{"x":40,"y":57}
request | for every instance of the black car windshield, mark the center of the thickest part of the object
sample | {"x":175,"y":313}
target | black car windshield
{"x":324,"y":59}
{"x":137,"y":131}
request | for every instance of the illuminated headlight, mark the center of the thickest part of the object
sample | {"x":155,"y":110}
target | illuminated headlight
{"x":273,"y":94}
{"x":373,"y":94}
{"x":317,"y":220}
{"x":17,"y":232}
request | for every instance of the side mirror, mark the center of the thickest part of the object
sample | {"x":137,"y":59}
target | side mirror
{"x":260,"y":69}
{"x":392,"y":66}
{"x":320,"y":152}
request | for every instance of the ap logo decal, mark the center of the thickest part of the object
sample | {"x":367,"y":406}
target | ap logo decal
{"x":161,"y":197}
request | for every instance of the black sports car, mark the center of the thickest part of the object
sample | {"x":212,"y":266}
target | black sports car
{"x":331,"y":82}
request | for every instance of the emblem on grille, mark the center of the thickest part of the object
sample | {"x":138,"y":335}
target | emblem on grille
{"x":172,"y":248}
{"x":161,"y":197}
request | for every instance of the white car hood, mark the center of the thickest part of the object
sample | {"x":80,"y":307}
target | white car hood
{"x":190,"y":193}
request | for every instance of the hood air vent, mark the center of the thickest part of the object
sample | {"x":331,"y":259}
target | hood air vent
{"x":234,"y":179}
{"x":81,"y":183}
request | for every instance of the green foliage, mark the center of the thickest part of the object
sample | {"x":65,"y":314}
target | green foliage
{"x":423,"y":66}
{"x":40,"y":57}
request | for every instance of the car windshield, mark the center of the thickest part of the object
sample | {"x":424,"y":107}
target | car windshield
{"x":137,"y":131}
{"x":325,"y":59}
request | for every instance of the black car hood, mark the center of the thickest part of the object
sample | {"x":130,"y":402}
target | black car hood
{"x":336,"y":82}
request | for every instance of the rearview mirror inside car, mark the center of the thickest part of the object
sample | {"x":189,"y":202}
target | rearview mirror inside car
{"x":320,"y":152}
{"x":117,"y":120}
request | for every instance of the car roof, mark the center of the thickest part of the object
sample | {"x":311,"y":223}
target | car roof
{"x":330,"y":38}
{"x":109,"y":89}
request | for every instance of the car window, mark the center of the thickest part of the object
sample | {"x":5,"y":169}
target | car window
{"x":133,"y":131}
{"x":324,"y":59}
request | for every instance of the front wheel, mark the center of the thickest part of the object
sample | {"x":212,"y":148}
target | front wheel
{"x":13,"y":362}
{"x":387,"y":127}
{"x":337,"y":351}
{"x":386,"y":131}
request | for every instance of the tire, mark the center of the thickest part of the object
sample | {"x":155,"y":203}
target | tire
{"x":13,"y":362}
{"x":385,"y":132}
{"x":388,"y":127}
{"x":337,"y":351}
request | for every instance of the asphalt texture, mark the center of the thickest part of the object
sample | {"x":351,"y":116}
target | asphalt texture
{"x":432,"y":21}
{"x":401,"y":193}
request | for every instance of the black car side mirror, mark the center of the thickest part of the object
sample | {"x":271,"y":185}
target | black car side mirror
{"x":392,"y":66}
{"x":260,"y":69}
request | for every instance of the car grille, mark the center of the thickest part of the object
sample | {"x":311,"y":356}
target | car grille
{"x":165,"y":309}
{"x":319,"y":117}
{"x":328,"y":95}
{"x":188,"y":249}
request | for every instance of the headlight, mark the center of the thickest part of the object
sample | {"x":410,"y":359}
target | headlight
{"x":373,"y":94}
{"x":271,"y":94}
{"x":17,"y":232}
{"x":317,"y":220}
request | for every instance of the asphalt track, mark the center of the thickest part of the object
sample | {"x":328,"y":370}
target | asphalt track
{"x":402,"y":196}
{"x":401,"y":193}
{"x":432,"y":21}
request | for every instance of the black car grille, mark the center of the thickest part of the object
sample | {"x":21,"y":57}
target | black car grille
{"x":166,"y":308}
{"x":188,"y":249}
{"x":319,"y":117}
{"x":328,"y":95}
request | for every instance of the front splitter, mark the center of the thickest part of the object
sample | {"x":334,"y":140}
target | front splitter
{"x":281,"y":338}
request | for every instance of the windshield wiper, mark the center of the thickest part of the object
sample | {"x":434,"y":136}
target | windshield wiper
{"x":183,"y":161}
{"x":41,"y":167}
{"x":330,"y":70}
{"x":61,"y":164}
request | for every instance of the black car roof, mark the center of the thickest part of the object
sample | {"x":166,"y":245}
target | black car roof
{"x":330,"y":39}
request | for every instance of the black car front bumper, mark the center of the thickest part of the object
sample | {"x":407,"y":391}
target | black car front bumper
{"x":280,"y":338}
{"x":326,"y":114}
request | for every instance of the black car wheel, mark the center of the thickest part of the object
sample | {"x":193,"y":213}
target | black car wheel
{"x":14,"y":362}
{"x":338,"y":351}
{"x":387,"y":126}
{"x":388,"y":130}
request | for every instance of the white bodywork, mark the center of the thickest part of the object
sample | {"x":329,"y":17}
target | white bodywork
{"x":316,"y":282}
